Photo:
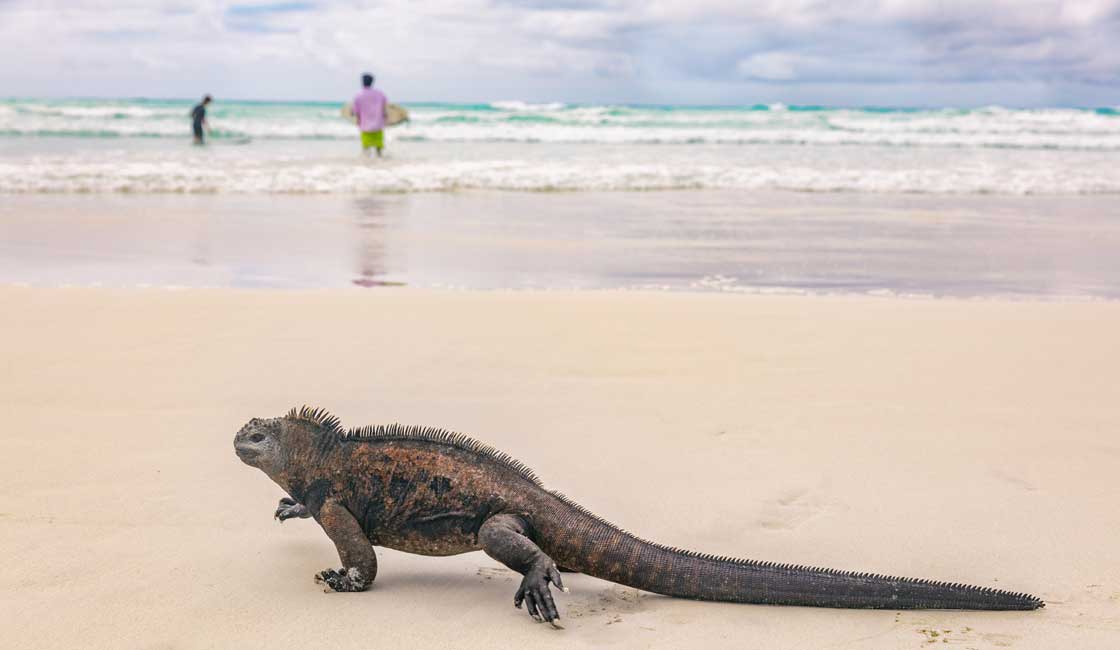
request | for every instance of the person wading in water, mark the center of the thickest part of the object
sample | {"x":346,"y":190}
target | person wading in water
{"x":198,"y":120}
{"x":370,"y":110}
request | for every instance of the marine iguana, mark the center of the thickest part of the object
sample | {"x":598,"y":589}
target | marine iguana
{"x":435,"y":492}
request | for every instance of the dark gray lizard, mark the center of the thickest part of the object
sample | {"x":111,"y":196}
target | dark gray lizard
{"x":434,"y":492}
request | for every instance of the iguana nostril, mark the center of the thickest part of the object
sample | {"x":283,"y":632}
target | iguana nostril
{"x":256,"y":437}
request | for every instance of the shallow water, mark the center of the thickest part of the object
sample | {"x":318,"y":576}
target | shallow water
{"x":944,"y":202}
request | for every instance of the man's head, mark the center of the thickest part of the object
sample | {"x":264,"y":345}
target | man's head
{"x":206,"y":99}
{"x":367,"y":80}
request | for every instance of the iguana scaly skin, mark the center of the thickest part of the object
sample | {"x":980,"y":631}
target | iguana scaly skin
{"x":434,"y":492}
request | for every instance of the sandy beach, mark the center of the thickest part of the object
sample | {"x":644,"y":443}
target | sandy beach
{"x":970,"y":441}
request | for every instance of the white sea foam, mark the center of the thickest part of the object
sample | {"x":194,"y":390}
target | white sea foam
{"x":518,"y":121}
{"x":139,"y":146}
{"x":515,"y":105}
{"x":331,"y":175}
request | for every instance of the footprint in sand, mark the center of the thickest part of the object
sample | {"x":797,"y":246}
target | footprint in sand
{"x":964,"y":636}
{"x":1000,"y":640}
{"x":792,"y":509}
{"x":495,"y":573}
{"x":1012,"y":479}
{"x":613,"y":603}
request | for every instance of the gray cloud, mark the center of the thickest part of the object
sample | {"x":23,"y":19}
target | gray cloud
{"x":702,"y":51}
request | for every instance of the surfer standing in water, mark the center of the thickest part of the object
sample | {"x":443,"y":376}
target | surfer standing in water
{"x":370,"y":110}
{"x":198,"y":119}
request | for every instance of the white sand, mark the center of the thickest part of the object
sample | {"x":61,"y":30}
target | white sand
{"x":965,"y":441}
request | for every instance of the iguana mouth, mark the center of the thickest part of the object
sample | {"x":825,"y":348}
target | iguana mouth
{"x":246,"y":454}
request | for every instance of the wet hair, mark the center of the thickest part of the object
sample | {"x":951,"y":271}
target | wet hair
{"x":207,"y":99}
{"x":367,"y":80}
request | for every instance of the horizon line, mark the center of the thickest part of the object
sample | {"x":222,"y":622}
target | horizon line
{"x":897,"y":107}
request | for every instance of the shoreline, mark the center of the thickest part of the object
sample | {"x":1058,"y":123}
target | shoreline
{"x":391,"y":292}
{"x":944,"y":439}
{"x":737,"y":293}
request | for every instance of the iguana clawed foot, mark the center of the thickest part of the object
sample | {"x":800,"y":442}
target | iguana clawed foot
{"x":343,"y":580}
{"x":535,"y":592}
{"x":289,"y":508}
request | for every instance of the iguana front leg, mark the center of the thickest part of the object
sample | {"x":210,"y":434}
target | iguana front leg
{"x":506,"y":539}
{"x":290,"y":508}
{"x":359,"y":563}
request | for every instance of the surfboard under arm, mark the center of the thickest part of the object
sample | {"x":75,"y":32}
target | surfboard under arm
{"x":395,"y":114}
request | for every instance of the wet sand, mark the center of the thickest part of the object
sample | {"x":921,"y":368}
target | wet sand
{"x":784,"y":242}
{"x":955,"y":440}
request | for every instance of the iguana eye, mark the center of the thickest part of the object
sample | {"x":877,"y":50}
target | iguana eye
{"x":256,"y":437}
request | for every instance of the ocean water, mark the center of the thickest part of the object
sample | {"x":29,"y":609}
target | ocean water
{"x":143,"y":146}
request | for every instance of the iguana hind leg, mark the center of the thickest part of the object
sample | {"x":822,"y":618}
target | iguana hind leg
{"x":289,"y":508}
{"x":506,"y":539}
{"x":359,"y":563}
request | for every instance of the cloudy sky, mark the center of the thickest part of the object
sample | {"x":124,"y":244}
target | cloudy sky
{"x":854,"y":52}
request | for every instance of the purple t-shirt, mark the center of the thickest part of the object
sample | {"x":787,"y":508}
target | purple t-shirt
{"x":369,"y":108}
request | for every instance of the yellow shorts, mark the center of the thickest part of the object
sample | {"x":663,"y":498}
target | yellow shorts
{"x":374,"y":139}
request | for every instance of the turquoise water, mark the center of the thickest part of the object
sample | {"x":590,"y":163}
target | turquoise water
{"x":138,"y":145}
{"x":1060,"y":128}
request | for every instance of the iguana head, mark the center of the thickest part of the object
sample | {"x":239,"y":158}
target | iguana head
{"x":260,"y":444}
{"x":280,"y":446}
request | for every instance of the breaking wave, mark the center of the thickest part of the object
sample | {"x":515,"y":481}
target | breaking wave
{"x":66,"y":175}
{"x":517,"y":121}
{"x":141,"y":146}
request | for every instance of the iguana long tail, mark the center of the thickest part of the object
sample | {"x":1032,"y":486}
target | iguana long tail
{"x":583,"y":542}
